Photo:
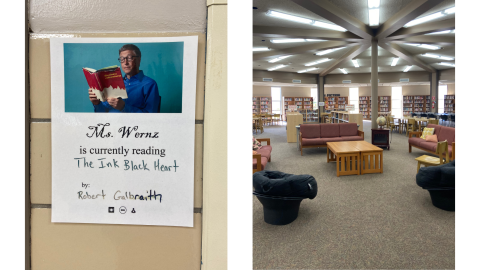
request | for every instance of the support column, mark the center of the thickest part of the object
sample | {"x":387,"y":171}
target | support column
{"x":434,"y":81}
{"x":374,"y":83}
{"x":320,"y":94}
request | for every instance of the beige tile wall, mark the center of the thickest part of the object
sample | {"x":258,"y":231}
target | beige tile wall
{"x":61,"y":246}
{"x":99,"y":246}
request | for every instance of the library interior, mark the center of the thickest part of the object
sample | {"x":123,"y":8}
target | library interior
{"x":353,"y":125}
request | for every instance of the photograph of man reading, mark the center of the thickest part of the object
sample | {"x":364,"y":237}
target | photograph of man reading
{"x":130,"y":77}
{"x":142,"y":91}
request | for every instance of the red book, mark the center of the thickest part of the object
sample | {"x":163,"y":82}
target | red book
{"x":106,"y":82}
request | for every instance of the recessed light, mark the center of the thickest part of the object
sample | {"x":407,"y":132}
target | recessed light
{"x":289,"y":17}
{"x":426,"y":46}
{"x":328,"y":51}
{"x":261,"y":49}
{"x":355,"y":63}
{"x":373,"y":3}
{"x":447,"y":64}
{"x":450,"y":10}
{"x":276,"y":67}
{"x":394,"y":62}
{"x":425,"y":19}
{"x":317,"y":62}
{"x":373,"y":16}
{"x":306,"y":70}
{"x":343,"y":70}
{"x":442,"y":32}
{"x":407,"y":69}
{"x":278,"y":58}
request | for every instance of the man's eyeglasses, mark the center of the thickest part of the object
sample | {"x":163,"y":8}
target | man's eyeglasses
{"x":128,"y":58}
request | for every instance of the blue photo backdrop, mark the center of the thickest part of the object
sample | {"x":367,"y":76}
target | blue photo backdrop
{"x":163,"y":62}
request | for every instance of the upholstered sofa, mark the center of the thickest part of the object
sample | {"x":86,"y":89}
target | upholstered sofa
{"x":263,"y":155}
{"x":443,"y":133}
{"x":317,"y":135}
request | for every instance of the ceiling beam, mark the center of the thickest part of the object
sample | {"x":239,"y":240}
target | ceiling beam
{"x":422,"y":29}
{"x":435,"y":40}
{"x":405,"y":55}
{"x":287,"y":32}
{"x":352,"y":53}
{"x":311,"y":47}
{"x":407,"y":14}
{"x":330,"y":12}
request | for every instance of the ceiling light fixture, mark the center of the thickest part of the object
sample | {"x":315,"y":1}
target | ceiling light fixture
{"x":277,"y":67}
{"x":425,"y":19}
{"x":394,"y":62}
{"x":329,"y":26}
{"x":450,"y":10}
{"x":261,"y":49}
{"x":307,"y":70}
{"x":447,"y":64}
{"x":343,"y":70}
{"x":278,"y":58}
{"x":289,"y":40}
{"x":426,"y":46}
{"x":373,"y":3}
{"x":293,"y":18}
{"x":374,"y":16}
{"x":438,"y":56}
{"x":407,"y":69}
{"x":355,"y":63}
{"x":289,"y":17}
{"x":317,"y":62}
{"x":328,"y":51}
{"x":442,"y":32}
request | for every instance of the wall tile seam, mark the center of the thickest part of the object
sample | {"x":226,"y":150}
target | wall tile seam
{"x":40,"y":120}
{"x":196,"y":210}
{"x":49,"y":120}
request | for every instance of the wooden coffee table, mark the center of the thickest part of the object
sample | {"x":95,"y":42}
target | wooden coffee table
{"x":355,"y":157}
{"x":371,"y":158}
{"x":346,"y":155}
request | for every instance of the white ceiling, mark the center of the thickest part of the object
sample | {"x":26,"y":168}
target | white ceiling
{"x":357,"y":9}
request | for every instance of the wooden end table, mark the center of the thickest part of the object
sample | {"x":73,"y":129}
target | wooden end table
{"x":371,"y":158}
{"x":346,"y":155}
{"x":380,"y":137}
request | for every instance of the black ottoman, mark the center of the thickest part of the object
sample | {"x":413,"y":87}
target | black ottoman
{"x":440,"y":183}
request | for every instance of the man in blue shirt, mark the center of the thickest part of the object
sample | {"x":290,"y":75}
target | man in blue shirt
{"x":142,"y":91}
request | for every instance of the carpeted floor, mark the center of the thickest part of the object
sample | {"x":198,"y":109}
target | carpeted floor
{"x":372,"y":221}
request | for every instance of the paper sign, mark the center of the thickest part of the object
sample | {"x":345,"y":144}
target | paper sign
{"x":349,"y":107}
{"x":321,"y":103}
{"x":130,"y":164}
{"x":292,"y":108}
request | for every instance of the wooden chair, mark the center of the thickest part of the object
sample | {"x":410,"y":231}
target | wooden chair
{"x":259,"y":125}
{"x":402,"y":125}
{"x":433,"y":121}
{"x":268,"y":119}
{"x":426,"y":160}
{"x":276,"y":118}
{"x":423,"y":124}
{"x":411,"y":126}
{"x":391,"y":124}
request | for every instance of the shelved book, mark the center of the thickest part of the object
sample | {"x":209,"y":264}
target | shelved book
{"x":106,"y":82}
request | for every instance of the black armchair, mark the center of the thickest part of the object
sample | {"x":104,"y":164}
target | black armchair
{"x":281,"y":194}
{"x":440,"y":183}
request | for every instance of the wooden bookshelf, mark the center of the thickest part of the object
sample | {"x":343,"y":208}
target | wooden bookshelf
{"x":421,"y":104}
{"x":407,"y":105}
{"x":365,"y":106}
{"x":449,"y":104}
{"x":262,"y":105}
{"x":335,"y":103}
{"x":301,"y":103}
{"x":346,"y":117}
{"x":309,"y":115}
{"x":384,"y":105}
